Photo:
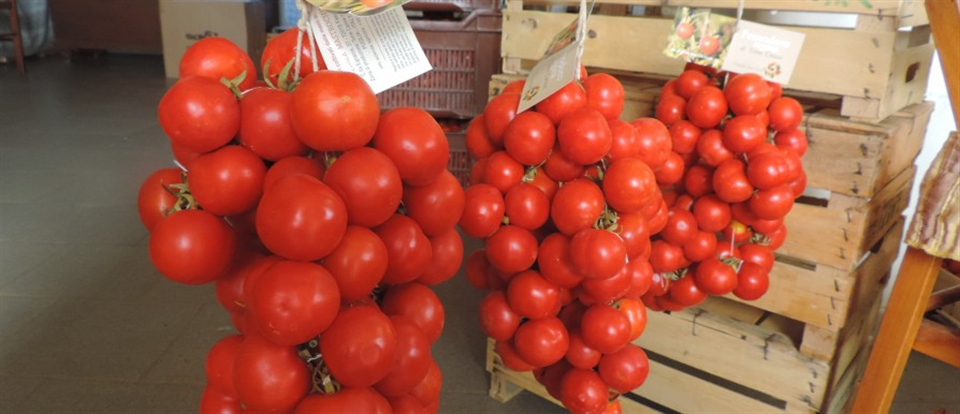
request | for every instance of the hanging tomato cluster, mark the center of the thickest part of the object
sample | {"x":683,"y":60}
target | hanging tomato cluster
{"x":323,"y":224}
{"x":731,"y":189}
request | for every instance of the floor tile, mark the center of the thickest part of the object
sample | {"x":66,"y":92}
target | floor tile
{"x":64,"y":395}
{"x":183,"y":362}
{"x":18,"y":257}
{"x":14,"y":390}
{"x":18,"y":313}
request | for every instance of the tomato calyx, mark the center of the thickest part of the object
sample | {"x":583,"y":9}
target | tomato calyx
{"x":761,"y":239}
{"x":322,"y":381}
{"x":185,"y":200}
{"x":283,"y":80}
{"x":608,"y":221}
{"x":234,"y":84}
{"x":676,"y":274}
{"x":732,"y":262}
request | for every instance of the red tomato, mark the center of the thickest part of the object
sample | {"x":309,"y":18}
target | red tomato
{"x":345,"y":400}
{"x":542,"y":342}
{"x":577,"y":205}
{"x":772,"y":204}
{"x":671,"y":171}
{"x":698,"y":180}
{"x":711,"y":148}
{"x":334,"y":111}
{"x":736,"y":231}
{"x":301,"y":218}
{"x":407,"y":404}
{"x":767,"y":170}
{"x":447,"y":257}
{"x":527,"y":206}
{"x":227,"y":181}
{"x":229,"y":286}
{"x":636,"y":313}
{"x":360,"y":346}
{"x":709,"y":45}
{"x":785,"y":113}
{"x":730,"y":182}
{"x":584,"y":136}
{"x":609,"y":289}
{"x":420,"y":304}
{"x":498,"y":114}
{"x":183,"y":155}
{"x":744,"y":133}
{"x":533,"y":297}
{"x":776,"y":91}
{"x":215,"y":402}
{"x":563,"y":102}
{"x":707,"y":107}
{"x":514,"y":87}
{"x":655,"y":141}
{"x":777,"y":237}
{"x":502,"y":172}
{"x":554,"y":262}
{"x":476,"y":269}
{"x":511,"y":249}
{"x":715,"y":277}
{"x":684,"y":137}
{"x":436,"y":207}
{"x":294,"y":301}
{"x":712,"y":214}
{"x":497,"y":319}
{"x":358,"y":263}
{"x":641,"y":278}
{"x":413,"y":359}
{"x":665,"y":257}
{"x":560,"y":168}
{"x":753,"y":281}
{"x":792,"y":139}
{"x":626,"y":140}
{"x":510,"y":358}
{"x":290,"y":166}
{"x":428,"y":390}
{"x":629,"y":185}
{"x":282,"y":50}
{"x":671,"y":109}
{"x":658,"y":220}
{"x":747,"y":94}
{"x":605,"y":328}
{"x":686,"y":293}
{"x":368,"y":183}
{"x":199,"y":114}
{"x":156,"y":198}
{"x":613,"y":407}
{"x":605,"y":94}
{"x":217,"y":58}
{"x":799,"y":185}
{"x":669,"y":89}
{"x":681,"y":226}
{"x":700,"y":247}
{"x":689,"y":82}
{"x":219,"y":365}
{"x":758,"y":255}
{"x":529,"y":138}
{"x":635,"y":234}
{"x":541,"y":180}
{"x":265,"y":126}
{"x":626,"y":369}
{"x":478,"y":141}
{"x":597,"y":254}
{"x":483,"y":210}
{"x":580,"y":355}
{"x":414,"y":142}
{"x":269,"y":377}
{"x":192,"y":247}
{"x":583,"y":392}
{"x":684,"y":30}
{"x":408,"y":249}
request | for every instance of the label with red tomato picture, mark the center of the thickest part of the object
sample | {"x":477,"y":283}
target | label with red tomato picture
{"x":700,"y":36}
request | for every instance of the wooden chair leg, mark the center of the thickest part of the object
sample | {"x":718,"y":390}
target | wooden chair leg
{"x":17,"y":38}
{"x":899,"y":328}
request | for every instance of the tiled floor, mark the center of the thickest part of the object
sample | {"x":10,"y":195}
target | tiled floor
{"x":86,"y":323}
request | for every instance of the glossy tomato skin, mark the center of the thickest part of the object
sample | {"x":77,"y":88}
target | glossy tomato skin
{"x":584,"y":136}
{"x":712,"y":214}
{"x":560,"y":168}
{"x":215,"y":58}
{"x":358,"y":263}
{"x":360,"y":346}
{"x":269,"y":377}
{"x":698,"y":180}
{"x":301,"y":218}
{"x":483,"y":210}
{"x":497,"y":319}
{"x":747,"y":94}
{"x":155,"y":199}
{"x":641,"y":278}
{"x":605,"y":328}
{"x":583,"y":392}
{"x":192,"y":247}
{"x":681,"y":226}
{"x":785,"y":114}
{"x":290,"y":166}
{"x":767,"y":171}
{"x":576,"y":206}
{"x":626,"y":140}
{"x":368,"y":183}
{"x":511,"y":249}
{"x":686,"y":293}
{"x":418,"y":303}
{"x":446,"y":259}
{"x":689,"y":82}
{"x":415,"y":143}
{"x":753,"y":282}
{"x":282,"y":49}
{"x":626,"y":369}
{"x":498,"y":114}
{"x":531,"y":296}
{"x":665,"y":257}
{"x":215,"y":402}
{"x":334,"y":111}
{"x":265,"y":126}
{"x":635,"y":234}
{"x":511,"y":359}
{"x":413,"y":359}
{"x":199,"y":114}
{"x":563,"y":102}
{"x":759,"y":255}
{"x":478,"y":141}
{"x":655,"y":141}
{"x":408,"y":249}
{"x":772,"y":204}
{"x":609,"y":289}
{"x":712,"y":149}
{"x":219,"y":365}
{"x":715,"y":277}
{"x":636,"y":314}
{"x":346,"y":400}
{"x":730,"y":182}
{"x":605,"y":94}
{"x":671,"y":109}
{"x":629,"y":184}
{"x":671,"y":171}
{"x":707,"y":107}
{"x":227,"y":181}
{"x":744,"y":133}
{"x":529,"y":138}
{"x":684,"y":136}
{"x":295,"y":301}
{"x":793,"y":139}
{"x":581,"y":355}
{"x":700,"y":247}
{"x":428,"y":390}
{"x":554,"y":261}
{"x":502,"y":171}
{"x":527,"y":206}
{"x":597,"y":254}
{"x":542,"y":342}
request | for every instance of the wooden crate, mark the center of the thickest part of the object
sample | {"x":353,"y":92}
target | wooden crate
{"x":879,"y":66}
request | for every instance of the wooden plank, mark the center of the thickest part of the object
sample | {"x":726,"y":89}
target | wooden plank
{"x":908,"y":72}
{"x":945,"y":22}
{"x":841,"y":395}
{"x":937,"y":341}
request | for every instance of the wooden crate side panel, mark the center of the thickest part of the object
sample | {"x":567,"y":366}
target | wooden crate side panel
{"x":754,"y":357}
{"x":842,"y":394}
{"x":908,"y":82}
{"x":902,"y":147}
{"x":885,"y":8}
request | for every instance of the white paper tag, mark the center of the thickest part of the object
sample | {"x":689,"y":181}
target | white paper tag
{"x":769,"y":51}
{"x":381,"y":48}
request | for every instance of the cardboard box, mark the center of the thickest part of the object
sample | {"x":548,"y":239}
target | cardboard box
{"x":183,"y":22}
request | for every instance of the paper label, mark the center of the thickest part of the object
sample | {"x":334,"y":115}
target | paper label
{"x":700,"y":36}
{"x":357,"y":7}
{"x":769,"y":51}
{"x":561,"y":65}
{"x":382,"y":48}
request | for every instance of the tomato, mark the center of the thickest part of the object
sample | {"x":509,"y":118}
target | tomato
{"x":529,"y":138}
{"x":182,"y":155}
{"x":229,"y":286}
{"x":776,"y":91}
{"x":476,"y":269}
{"x":563,"y":102}
{"x":527,"y":206}
{"x":560,"y":168}
{"x":584,"y":136}
{"x":776,"y":238}
{"x":541,"y":180}
{"x":799,"y":185}
{"x":227,"y":181}
{"x":709,"y":45}
{"x":192,"y":247}
{"x":428,"y":390}
{"x":407,"y":404}
{"x":436,"y":207}
{"x":514,"y":87}
{"x":301,"y":218}
{"x":499,"y":112}
{"x":794,"y":165}
{"x":360,"y":346}
{"x":156,"y":198}
{"x":502,"y":172}
{"x":715,"y":277}
{"x":671,"y":109}
{"x":792,"y":139}
{"x":265,"y":126}
{"x":736,"y":231}
{"x":626,"y":140}
{"x":725,"y":249}
{"x":772,"y":204}
{"x":758,"y":255}
{"x":700,"y":247}
{"x":707,"y":107}
{"x":671,"y":171}
{"x":345,"y":400}
{"x":217,"y":58}
{"x":368,"y":183}
{"x":294,"y":301}
{"x":415,"y":143}
{"x":597,"y":254}
{"x":635,"y":235}
{"x":215,"y":402}
{"x":686,"y":293}
{"x":605,"y":94}
{"x":747,"y":94}
{"x":419,"y":303}
{"x":282,"y":49}
{"x":358,"y":263}
{"x":626,"y":369}
{"x":542,"y":342}
{"x":698,"y":180}
{"x":613,"y":407}
{"x":413,"y":359}
{"x":497,"y":319}
{"x":511,"y":249}
{"x":199,"y":114}
{"x":554,"y":262}
{"x":669,"y":89}
{"x":689,"y":82}
{"x":684,"y":30}
{"x":712,"y":149}
{"x":641,"y":277}
{"x":712,"y":214}
{"x":684,"y":136}
{"x":730,"y":182}
{"x":655,"y":141}
{"x":408,"y":249}
{"x":785,"y":113}
{"x":290,"y":166}
{"x":508,"y":354}
{"x":446,"y":259}
{"x":577,"y":205}
{"x":219,"y":365}
{"x":743,"y":133}
{"x":629,"y":185}
{"x":531,"y":296}
{"x":659,"y":218}
{"x":681,"y":226}
{"x":483,"y":210}
{"x":665,"y":257}
{"x":269,"y":377}
{"x":753,"y":281}
{"x":583,"y":392}
{"x":605,"y":328}
{"x":477,"y":140}
{"x":580,"y":355}
{"x":334,"y":111}
{"x":609,"y":289}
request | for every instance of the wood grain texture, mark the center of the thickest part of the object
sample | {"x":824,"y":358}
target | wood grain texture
{"x":945,"y":24}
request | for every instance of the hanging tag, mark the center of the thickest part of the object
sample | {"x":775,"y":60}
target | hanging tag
{"x":700,"y":36}
{"x":382,"y":48}
{"x":357,"y":7}
{"x":769,"y":51}
{"x":560,"y":65}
